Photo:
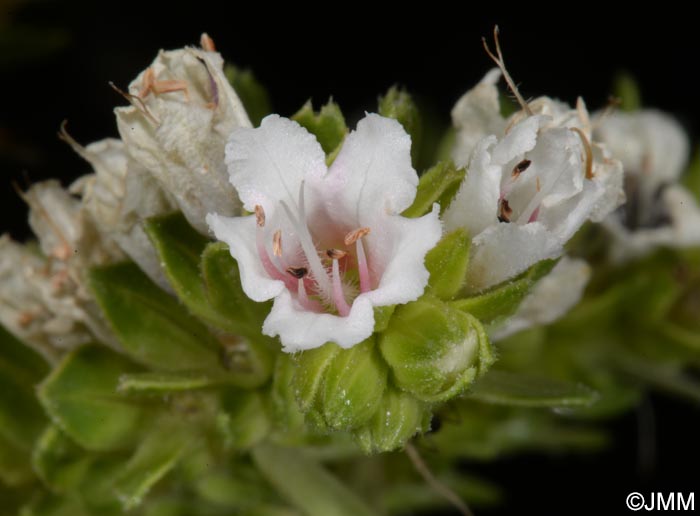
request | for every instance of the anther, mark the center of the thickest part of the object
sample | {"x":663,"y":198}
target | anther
{"x":355,"y":235}
{"x":504,"y":211}
{"x":335,"y":254}
{"x":277,"y":243}
{"x":520,"y":168}
{"x":207,"y":43}
{"x":260,"y":215}
{"x":297,"y":272}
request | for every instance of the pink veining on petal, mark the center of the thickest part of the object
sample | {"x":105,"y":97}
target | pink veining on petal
{"x":535,"y":214}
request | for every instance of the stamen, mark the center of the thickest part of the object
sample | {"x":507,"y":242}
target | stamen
{"x":520,"y":168}
{"x":207,"y":43}
{"x":260,"y":215}
{"x":504,"y":211}
{"x":537,"y":184}
{"x":277,"y":243}
{"x":338,"y":296}
{"x":335,"y":254}
{"x":588,"y":152}
{"x":362,"y":266}
{"x":355,"y":235}
{"x":298,"y":272}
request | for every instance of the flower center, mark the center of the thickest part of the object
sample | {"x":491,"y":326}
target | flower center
{"x":322,"y":279}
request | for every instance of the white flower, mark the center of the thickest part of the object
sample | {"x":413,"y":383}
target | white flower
{"x":552,"y":297}
{"x":183,"y":110}
{"x":327,"y":243}
{"x":118,"y":196}
{"x":529,"y":188}
{"x":653,"y":148}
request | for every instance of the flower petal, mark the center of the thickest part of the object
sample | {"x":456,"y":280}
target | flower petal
{"x":240,"y":235}
{"x":373,"y":171}
{"x":300,"y":329}
{"x":268,"y":164}
{"x":505,"y":250}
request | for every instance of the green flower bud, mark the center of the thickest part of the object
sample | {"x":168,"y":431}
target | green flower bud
{"x":398,"y":417}
{"x":340,"y":388}
{"x":434,"y":351}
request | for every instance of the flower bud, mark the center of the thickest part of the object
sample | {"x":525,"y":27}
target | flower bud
{"x":434,"y":350}
{"x":398,"y":417}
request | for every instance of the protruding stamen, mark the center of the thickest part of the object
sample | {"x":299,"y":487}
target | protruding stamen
{"x":277,"y":243}
{"x":504,"y":211}
{"x":355,"y":235}
{"x":362,"y":266}
{"x":298,"y":272}
{"x":207,"y":43}
{"x":537,"y":184}
{"x":587,"y":150}
{"x":260,"y":215}
{"x":338,"y":296}
{"x":520,"y":168}
{"x":335,"y":254}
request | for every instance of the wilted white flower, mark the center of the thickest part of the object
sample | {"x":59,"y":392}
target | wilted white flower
{"x":328,"y":244}
{"x":653,"y":148}
{"x":183,"y":110}
{"x":118,"y":196}
{"x":530,"y":187}
{"x":552,"y":297}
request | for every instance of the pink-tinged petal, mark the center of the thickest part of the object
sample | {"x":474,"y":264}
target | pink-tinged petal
{"x":240,"y":235}
{"x":268,"y":164}
{"x":505,"y":250}
{"x":300,"y":329}
{"x":372,"y":172}
{"x":399,"y":251}
{"x":475,"y":206}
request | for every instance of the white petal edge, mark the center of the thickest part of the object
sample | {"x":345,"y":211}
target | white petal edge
{"x":239,"y":234}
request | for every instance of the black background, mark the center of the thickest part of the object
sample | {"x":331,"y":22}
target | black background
{"x":353,"y":53}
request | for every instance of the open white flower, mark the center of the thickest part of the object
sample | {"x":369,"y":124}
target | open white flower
{"x":529,"y":188}
{"x":327,"y":243}
{"x":552,"y":297}
{"x":183,"y":110}
{"x":653,"y":148}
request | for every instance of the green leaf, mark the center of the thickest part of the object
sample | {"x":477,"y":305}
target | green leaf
{"x":240,"y":488}
{"x":15,"y":468}
{"x":434,"y":351}
{"x":626,"y":89}
{"x":154,"y":329}
{"x":447,"y":263}
{"x":691,"y":178}
{"x":253,"y":95}
{"x":398,"y":104}
{"x":506,"y":388}
{"x":164,"y":383}
{"x":59,"y":462}
{"x":244,"y":421}
{"x":328,"y":125}
{"x":80,"y":397}
{"x":504,"y":299}
{"x":306,"y":484}
{"x":21,"y":417}
{"x":439,"y":184}
{"x":156,"y":456}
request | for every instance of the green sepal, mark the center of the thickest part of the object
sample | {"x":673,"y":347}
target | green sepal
{"x":353,"y":385}
{"x":447,"y":264}
{"x":310,"y":370}
{"x":504,"y":299}
{"x":59,"y":462}
{"x":306,"y":484}
{"x":515,"y":389}
{"x":398,"y":417}
{"x":252,"y":93}
{"x":626,"y":90}
{"x":691,"y":178}
{"x":399,"y":105}
{"x":80,"y":395}
{"x":21,"y":417}
{"x":154,"y":329}
{"x":155,"y":457}
{"x":328,"y":125}
{"x":243,"y":421}
{"x":439,"y":184}
{"x":286,"y":413}
{"x":382,"y":316}
{"x":241,"y":488}
{"x":434,"y":351}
